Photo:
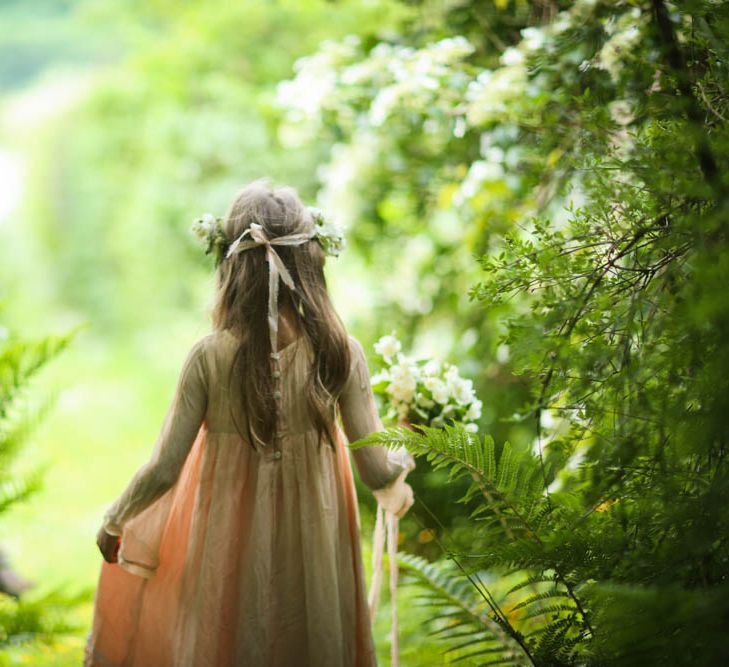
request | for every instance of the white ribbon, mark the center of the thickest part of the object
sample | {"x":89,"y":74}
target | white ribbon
{"x":386,"y":526}
{"x":276,"y":268}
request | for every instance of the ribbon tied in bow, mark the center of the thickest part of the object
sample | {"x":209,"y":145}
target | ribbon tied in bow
{"x":276,"y":268}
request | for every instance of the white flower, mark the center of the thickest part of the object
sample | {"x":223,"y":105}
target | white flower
{"x":402,"y":388}
{"x":617,"y":50}
{"x":387,"y":347}
{"x":432,"y":367}
{"x":511,"y":56}
{"x":440,"y":392}
{"x":451,"y":374}
{"x":430,"y":383}
{"x":204,"y":226}
{"x":533,"y":38}
{"x":472,"y":428}
{"x":462,"y":391}
{"x":403,"y":380}
{"x":474,"y":411}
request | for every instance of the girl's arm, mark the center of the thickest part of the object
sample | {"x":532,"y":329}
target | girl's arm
{"x":378,"y":468}
{"x":180,"y":427}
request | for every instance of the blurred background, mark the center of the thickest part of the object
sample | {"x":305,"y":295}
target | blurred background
{"x":534,"y":191}
{"x":119,"y":124}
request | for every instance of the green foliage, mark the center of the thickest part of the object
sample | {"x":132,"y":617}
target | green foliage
{"x":173,"y":131}
{"x":564,"y":165}
{"x":602,"y":172}
{"x":39,"y":618}
{"x":539,"y":618}
{"x":20,"y":361}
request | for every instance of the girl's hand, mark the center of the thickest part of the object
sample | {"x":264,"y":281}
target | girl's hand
{"x":396,"y":497}
{"x":108,"y":545}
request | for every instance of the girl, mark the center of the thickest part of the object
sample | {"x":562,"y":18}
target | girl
{"x":237,"y":543}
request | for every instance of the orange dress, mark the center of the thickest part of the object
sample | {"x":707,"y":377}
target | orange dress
{"x":236,"y":556}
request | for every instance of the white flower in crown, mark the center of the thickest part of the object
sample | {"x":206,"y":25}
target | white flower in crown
{"x":204,"y":226}
{"x":329,"y":234}
{"x":209,"y":229}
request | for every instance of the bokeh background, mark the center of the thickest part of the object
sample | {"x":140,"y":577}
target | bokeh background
{"x":534,"y":191}
{"x":120,"y":123}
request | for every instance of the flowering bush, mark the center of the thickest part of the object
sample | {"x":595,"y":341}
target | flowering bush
{"x":423,"y":391}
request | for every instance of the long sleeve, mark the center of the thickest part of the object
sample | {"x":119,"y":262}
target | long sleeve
{"x":377,"y":466}
{"x":180,"y":427}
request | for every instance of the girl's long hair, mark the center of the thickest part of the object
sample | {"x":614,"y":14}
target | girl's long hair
{"x":241,"y":307}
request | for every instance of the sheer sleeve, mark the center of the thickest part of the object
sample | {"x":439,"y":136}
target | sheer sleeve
{"x":179,"y":429}
{"x":377,"y":466}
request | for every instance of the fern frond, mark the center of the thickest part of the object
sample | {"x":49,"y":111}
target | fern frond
{"x":531,"y":581}
{"x":15,"y":489}
{"x":536,"y":597}
{"x":470,"y":615}
{"x":31,"y":619}
{"x":510,"y":482}
{"x":20,"y":360}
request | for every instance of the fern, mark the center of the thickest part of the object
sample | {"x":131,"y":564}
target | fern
{"x":20,"y":361}
{"x":510,"y":482}
{"x":41,"y":618}
{"x":538,"y":619}
{"x":469,"y":615}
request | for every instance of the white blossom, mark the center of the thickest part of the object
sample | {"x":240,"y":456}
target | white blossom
{"x":387,"y":347}
{"x":462,"y":391}
{"x":512,"y":56}
{"x":439,"y":390}
{"x":432,"y":367}
{"x":402,"y":388}
{"x":474,"y":411}
{"x":533,"y":38}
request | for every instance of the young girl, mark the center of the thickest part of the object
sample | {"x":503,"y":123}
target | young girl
{"x":238,"y":542}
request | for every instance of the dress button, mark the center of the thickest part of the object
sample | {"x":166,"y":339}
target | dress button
{"x":277,"y":394}
{"x":277,"y":454}
{"x":276,"y":374}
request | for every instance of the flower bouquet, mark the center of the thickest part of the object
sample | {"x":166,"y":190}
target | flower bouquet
{"x":423,"y":391}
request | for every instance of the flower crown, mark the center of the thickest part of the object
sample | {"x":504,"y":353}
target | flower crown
{"x":209,"y":229}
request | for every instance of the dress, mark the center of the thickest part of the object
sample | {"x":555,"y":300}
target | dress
{"x":232,"y":556}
